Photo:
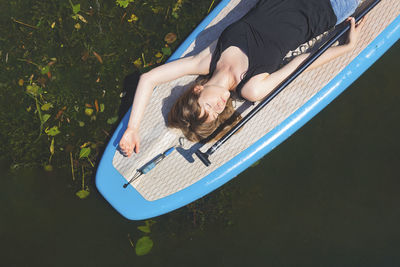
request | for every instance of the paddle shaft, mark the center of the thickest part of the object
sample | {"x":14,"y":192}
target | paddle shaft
{"x":303,"y":66}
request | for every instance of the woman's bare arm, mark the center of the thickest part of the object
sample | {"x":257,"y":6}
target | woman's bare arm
{"x":262,"y":84}
{"x":198,"y":64}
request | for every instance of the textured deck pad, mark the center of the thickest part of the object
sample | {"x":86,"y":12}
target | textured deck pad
{"x":181,"y":169}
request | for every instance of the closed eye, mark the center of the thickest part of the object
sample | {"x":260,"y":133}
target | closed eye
{"x":215,"y":114}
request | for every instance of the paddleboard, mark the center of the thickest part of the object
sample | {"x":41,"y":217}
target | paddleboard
{"x":181,"y":178}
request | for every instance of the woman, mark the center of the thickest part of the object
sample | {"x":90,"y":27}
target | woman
{"x":246,"y":61}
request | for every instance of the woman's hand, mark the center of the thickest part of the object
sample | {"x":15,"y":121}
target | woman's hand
{"x":129,"y":142}
{"x":355,"y":29}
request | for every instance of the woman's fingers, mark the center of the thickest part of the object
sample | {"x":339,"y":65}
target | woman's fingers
{"x":129,"y":143}
{"x":137,"y":147}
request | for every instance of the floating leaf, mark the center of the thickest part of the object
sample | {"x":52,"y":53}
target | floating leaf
{"x":20,"y":82}
{"x":33,"y":89}
{"x":52,"y":146}
{"x":77,"y":26}
{"x":144,"y":246}
{"x":170,"y":38}
{"x":53,"y":25}
{"x":158,"y":55}
{"x":102,"y":107}
{"x":53,"y":131}
{"x":60,"y":112}
{"x":46,"y":106}
{"x":144,"y":229}
{"x":45,"y":69}
{"x":98,"y":57}
{"x":82,"y":194}
{"x":81,"y":18}
{"x":112,"y":120}
{"x":96,"y":104}
{"x":81,"y":123}
{"x":123,"y":3}
{"x":85,"y":55}
{"x":89,"y":111}
{"x":75,"y":8}
{"x":138,"y":63}
{"x":45,"y":118}
{"x":48,"y":168}
{"x":85,"y":152}
{"x":85,"y":145}
{"x":133,"y":18}
{"x":166,"y":51}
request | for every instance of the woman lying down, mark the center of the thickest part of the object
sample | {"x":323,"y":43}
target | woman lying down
{"x":246,"y":62}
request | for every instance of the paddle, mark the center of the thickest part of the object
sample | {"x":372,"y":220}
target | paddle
{"x":204,"y":156}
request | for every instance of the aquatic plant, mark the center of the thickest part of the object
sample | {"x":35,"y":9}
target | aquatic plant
{"x":144,"y":244}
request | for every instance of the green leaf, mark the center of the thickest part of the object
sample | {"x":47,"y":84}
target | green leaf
{"x":48,"y":168}
{"x":102,"y":107}
{"x":166,"y":51}
{"x":112,"y":120}
{"x":89,"y":111}
{"x":45,"y":118}
{"x":76,"y":8}
{"x":46,"y":106}
{"x":85,"y":152}
{"x":175,"y":14}
{"x":82,"y":194}
{"x":81,"y":123}
{"x":123,"y":3}
{"x":45,"y":69}
{"x":53,"y":131}
{"x":32,"y":89}
{"x":143,"y":246}
{"x":144,"y":229}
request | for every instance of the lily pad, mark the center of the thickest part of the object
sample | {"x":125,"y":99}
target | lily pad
{"x":144,"y":246}
{"x":82,"y":194}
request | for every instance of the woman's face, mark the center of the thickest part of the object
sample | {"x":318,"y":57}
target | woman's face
{"x":212,"y":100}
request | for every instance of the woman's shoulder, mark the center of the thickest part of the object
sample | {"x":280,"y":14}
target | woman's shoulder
{"x":250,"y":89}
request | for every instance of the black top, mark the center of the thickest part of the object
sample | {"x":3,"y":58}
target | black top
{"x":271,"y":29}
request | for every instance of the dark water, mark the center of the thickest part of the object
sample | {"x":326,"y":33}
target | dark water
{"x":328,"y":196}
